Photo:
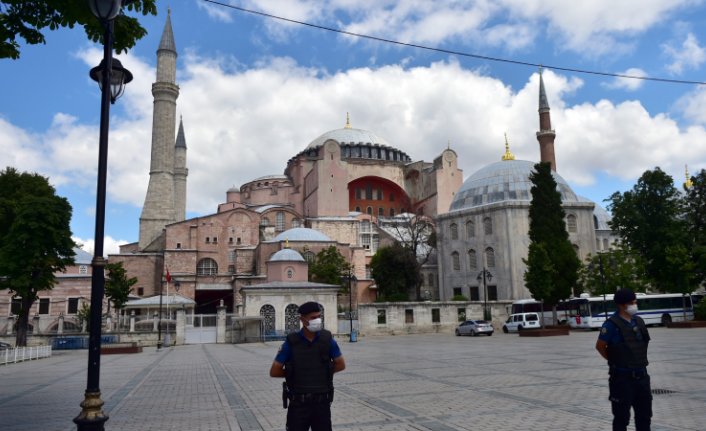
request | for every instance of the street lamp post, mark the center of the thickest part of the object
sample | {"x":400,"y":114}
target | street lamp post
{"x":486,"y":276}
{"x":351,"y":278}
{"x":111,"y":77}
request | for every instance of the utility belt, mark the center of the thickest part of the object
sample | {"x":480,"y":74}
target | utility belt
{"x":310,"y":398}
{"x":637,"y":374}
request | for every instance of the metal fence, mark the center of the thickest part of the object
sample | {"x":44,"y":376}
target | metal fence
{"x":19,"y":354}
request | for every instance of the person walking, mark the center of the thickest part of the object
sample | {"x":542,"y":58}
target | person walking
{"x":623,"y":341}
{"x":307,"y":360}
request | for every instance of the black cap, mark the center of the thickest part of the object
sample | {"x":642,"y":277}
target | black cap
{"x":309,"y":307}
{"x":623,"y":296}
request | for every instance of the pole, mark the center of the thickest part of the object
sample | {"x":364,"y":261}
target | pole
{"x":350,"y":302}
{"x":485,"y":295}
{"x":92,"y":417}
{"x":159,"y":322}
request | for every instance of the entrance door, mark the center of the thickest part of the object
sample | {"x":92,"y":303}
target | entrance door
{"x":200,"y":329}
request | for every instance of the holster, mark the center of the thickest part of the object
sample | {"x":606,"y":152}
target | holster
{"x":285,"y":395}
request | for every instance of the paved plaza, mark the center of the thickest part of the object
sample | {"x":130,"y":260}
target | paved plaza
{"x":434,"y":382}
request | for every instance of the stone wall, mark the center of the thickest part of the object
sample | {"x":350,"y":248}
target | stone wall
{"x":399,"y":320}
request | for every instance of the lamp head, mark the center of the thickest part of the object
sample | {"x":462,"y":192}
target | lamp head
{"x":105,"y":10}
{"x":119,"y":76}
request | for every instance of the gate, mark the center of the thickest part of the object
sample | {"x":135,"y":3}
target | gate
{"x":200,"y":329}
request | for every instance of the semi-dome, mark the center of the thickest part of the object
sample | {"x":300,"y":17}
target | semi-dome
{"x":507,"y":180}
{"x":601,"y":218}
{"x":301,"y":234}
{"x":288,"y":255}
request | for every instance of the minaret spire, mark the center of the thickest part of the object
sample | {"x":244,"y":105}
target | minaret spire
{"x":688,"y":183}
{"x":159,"y":209}
{"x":180,"y":173}
{"x":348,"y":121}
{"x":546,"y":134}
{"x":508,"y":155}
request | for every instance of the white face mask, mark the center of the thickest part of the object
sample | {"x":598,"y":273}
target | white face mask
{"x":631,"y":309}
{"x":314,"y":325}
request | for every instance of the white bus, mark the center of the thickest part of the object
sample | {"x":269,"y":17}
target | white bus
{"x":564,"y":310}
{"x":659,"y":309}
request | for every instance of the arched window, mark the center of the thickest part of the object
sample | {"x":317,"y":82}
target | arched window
{"x":606,"y":244}
{"x":264,"y":221}
{"x":381,"y":212}
{"x":488,"y":226}
{"x":455,"y":261}
{"x":207,"y":266}
{"x":369,"y":210}
{"x":470,"y":229}
{"x":267,"y":312}
{"x":309,"y":256}
{"x":472,"y":259}
{"x":279,"y":221}
{"x":291,"y":318}
{"x":595,"y":222}
{"x":296,"y":223}
{"x":454,"y":230}
{"x":392,"y":212}
{"x":290,"y":272}
{"x":490,"y":257}
{"x":571,"y":223}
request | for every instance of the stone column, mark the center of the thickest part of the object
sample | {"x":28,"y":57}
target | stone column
{"x":132,"y":321}
{"x":180,"y":327}
{"x":221,"y":324}
{"x":108,"y":324}
{"x":35,"y":325}
{"x":60,"y":325}
{"x":155,"y":322}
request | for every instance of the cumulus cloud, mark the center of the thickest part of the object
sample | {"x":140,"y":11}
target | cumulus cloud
{"x":689,"y":55}
{"x":219,"y":13}
{"x":110,"y":245}
{"x":628,"y":84}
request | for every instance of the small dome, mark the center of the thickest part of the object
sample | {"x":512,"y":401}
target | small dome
{"x":601,"y":218}
{"x":301,"y":234}
{"x":507,"y":180}
{"x":288,"y":255}
{"x":349,"y":136}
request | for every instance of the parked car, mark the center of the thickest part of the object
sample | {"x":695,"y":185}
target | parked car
{"x":4,"y":345}
{"x":475,"y":327}
{"x":521,"y":321}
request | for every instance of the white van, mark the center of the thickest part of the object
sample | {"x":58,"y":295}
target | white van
{"x":520,"y":321}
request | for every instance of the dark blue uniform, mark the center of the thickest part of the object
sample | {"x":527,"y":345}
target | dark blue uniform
{"x":309,"y":408}
{"x":629,"y":383}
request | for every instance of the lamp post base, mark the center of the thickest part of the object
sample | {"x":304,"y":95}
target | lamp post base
{"x":159,"y":345}
{"x":91,"y":417}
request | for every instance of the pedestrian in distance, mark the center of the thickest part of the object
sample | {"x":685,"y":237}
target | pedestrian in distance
{"x":623,"y":342}
{"x":308,"y":360}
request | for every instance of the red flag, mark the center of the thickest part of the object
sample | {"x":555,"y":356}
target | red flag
{"x":169,"y":277}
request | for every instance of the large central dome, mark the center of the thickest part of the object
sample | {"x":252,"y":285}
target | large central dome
{"x":504,"y":181}
{"x":349,"y":135}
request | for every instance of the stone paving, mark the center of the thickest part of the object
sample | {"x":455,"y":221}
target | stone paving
{"x":415,"y":382}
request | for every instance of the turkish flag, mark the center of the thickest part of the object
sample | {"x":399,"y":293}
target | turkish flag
{"x":169,"y":277}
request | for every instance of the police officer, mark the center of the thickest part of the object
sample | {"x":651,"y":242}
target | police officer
{"x":623,"y":342}
{"x":308,"y":359}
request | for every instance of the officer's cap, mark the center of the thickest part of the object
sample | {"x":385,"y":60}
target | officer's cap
{"x":623,"y":296}
{"x":309,"y":307}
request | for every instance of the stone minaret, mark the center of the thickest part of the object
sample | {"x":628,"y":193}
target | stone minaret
{"x":546,"y":135}
{"x":180,"y":174}
{"x":159,"y":209}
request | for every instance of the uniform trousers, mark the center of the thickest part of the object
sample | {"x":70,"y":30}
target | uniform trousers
{"x":630,"y":390}
{"x":304,"y":415}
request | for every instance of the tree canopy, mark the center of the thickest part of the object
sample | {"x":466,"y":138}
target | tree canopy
{"x":27,"y":19}
{"x":610,"y":270}
{"x":552,"y":264}
{"x":35,"y":239}
{"x":649,"y":219}
{"x":328,"y":267}
{"x":396,"y":272}
{"x":694,"y":210}
{"x":118,"y":285}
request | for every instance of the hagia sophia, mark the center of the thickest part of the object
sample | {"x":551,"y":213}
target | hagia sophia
{"x":339,"y":190}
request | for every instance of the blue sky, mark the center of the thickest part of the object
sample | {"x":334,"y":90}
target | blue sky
{"x":255,"y":91}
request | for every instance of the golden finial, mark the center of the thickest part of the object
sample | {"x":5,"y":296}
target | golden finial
{"x":348,"y":121}
{"x":286,"y":243}
{"x":448,"y":144}
{"x":688,"y":183}
{"x":508,"y":155}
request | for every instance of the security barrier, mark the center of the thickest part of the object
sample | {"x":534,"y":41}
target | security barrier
{"x":19,"y":354}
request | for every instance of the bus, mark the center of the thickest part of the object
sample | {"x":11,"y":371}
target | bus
{"x":564,"y":310}
{"x":589,"y":312}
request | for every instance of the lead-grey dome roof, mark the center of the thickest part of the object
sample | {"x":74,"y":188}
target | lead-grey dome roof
{"x":507,"y":180}
{"x":349,"y":135}
{"x":288,"y":255}
{"x":301,"y":234}
{"x":601,"y":218}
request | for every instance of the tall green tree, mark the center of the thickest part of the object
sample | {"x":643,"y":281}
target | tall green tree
{"x":608,"y":271}
{"x":328,"y":267}
{"x":118,"y":285}
{"x":28,"y":19}
{"x":547,"y":229}
{"x":649,"y":220}
{"x":35,"y":239}
{"x":694,"y":210}
{"x":395,"y":270}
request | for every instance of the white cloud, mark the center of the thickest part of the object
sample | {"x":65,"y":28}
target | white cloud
{"x":690,"y":55}
{"x":693,"y":105}
{"x":110,"y":245}
{"x":628,"y":84}
{"x":218,"y":13}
